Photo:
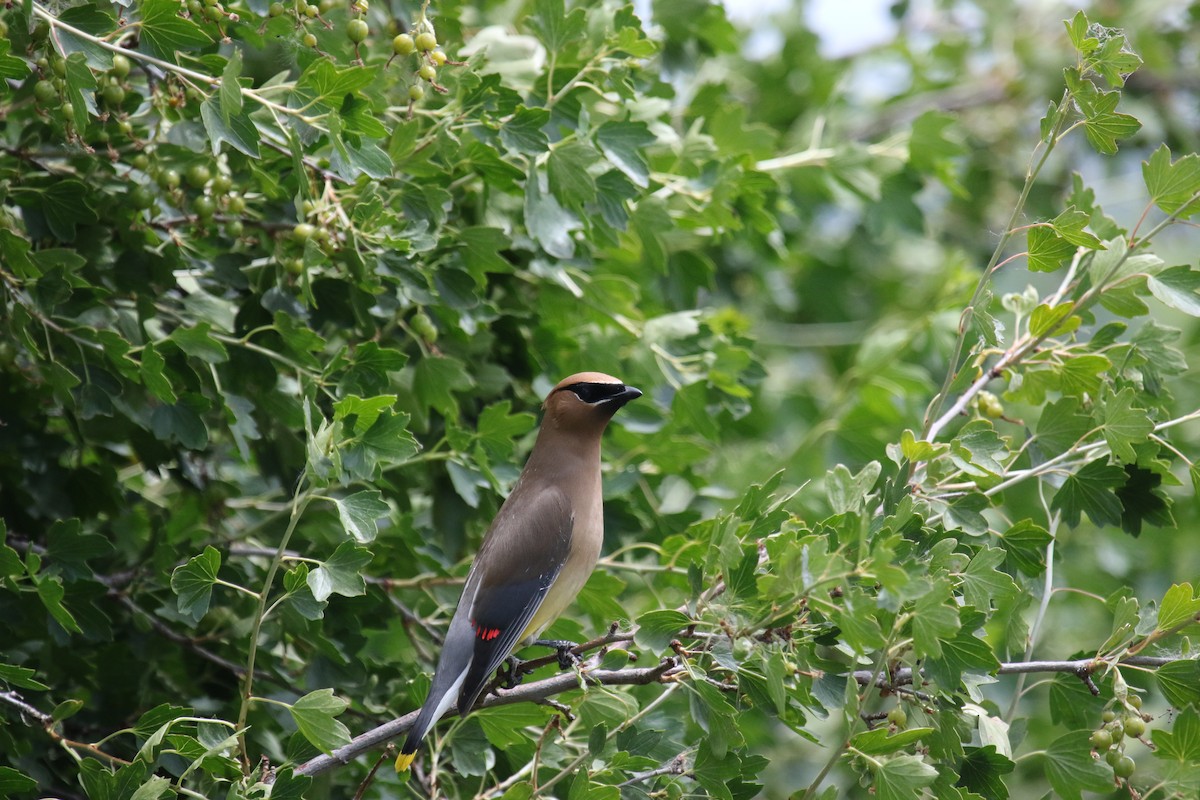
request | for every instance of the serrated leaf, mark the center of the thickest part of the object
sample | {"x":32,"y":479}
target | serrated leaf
{"x":1081,"y":374}
{"x":934,"y":618}
{"x":11,"y":67}
{"x":1179,"y":681}
{"x":193,"y":582}
{"x":1125,"y":425}
{"x":880,"y":742}
{"x":1104,"y":126}
{"x":1178,"y":605}
{"x":21,"y":677}
{"x":238,"y":129}
{"x":197,"y":341}
{"x":555,"y":26}
{"x":1070,"y":226}
{"x":1061,"y":427}
{"x":389,"y":438}
{"x":51,"y":592}
{"x":358,"y":514}
{"x":1173,"y":186}
{"x":341,"y":573}
{"x":1045,"y":321}
{"x":567,"y":172}
{"x":1182,"y":742}
{"x":1025,"y":542}
{"x":656,"y":629}
{"x":547,"y":221}
{"x":983,"y":583}
{"x":1090,"y":491}
{"x":12,"y":782}
{"x":79,"y":79}
{"x":1176,"y":287}
{"x":163,"y":31}
{"x":1070,"y":767}
{"x":903,"y":778}
{"x":622,"y":144}
{"x":365,"y":411}
{"x":981,"y":772}
{"x":1047,"y":250}
{"x":230,"y":92}
{"x":523,"y":131}
{"x":314,"y":715}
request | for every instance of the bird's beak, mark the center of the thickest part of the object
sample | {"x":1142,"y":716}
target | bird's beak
{"x":625,"y":395}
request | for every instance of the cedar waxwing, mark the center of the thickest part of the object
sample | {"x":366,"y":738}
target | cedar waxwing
{"x":537,"y":554}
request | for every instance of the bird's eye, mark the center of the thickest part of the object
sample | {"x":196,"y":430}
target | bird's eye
{"x":593,"y":393}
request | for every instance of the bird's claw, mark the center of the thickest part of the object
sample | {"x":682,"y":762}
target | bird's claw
{"x":565,"y":649}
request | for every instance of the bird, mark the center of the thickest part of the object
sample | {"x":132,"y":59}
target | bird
{"x":536,"y":555}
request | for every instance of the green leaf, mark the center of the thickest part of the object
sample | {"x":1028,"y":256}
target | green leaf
{"x":11,"y":67}
{"x":154,"y":787}
{"x":364,"y":411}
{"x":1104,"y":126}
{"x":1077,"y":28}
{"x":314,"y":714}
{"x":1125,"y":426}
{"x":151,"y":368}
{"x":983,"y":583}
{"x":164,"y":32}
{"x":1090,"y":491}
{"x":1173,"y":186}
{"x":1070,"y":226}
{"x":21,"y":677}
{"x":389,"y":439}
{"x":964,"y":653}
{"x":523,"y":132}
{"x":934,"y":619}
{"x":903,"y":778}
{"x":1081,"y":374}
{"x":656,"y":629}
{"x":1025,"y":542}
{"x":1179,"y":605}
{"x":848,"y":492}
{"x":1070,"y":767}
{"x":1061,"y":426}
{"x":198,"y":342}
{"x":437,"y":380}
{"x":1179,"y":681}
{"x":79,"y":79}
{"x":237,"y":129}
{"x":179,"y":423}
{"x":341,"y":573}
{"x":622,"y":144}
{"x":978,"y":450}
{"x":554,"y":26}
{"x":193,"y":582}
{"x":981,"y":770}
{"x":567,"y":169}
{"x":1182,"y":742}
{"x":547,"y":221}
{"x":1047,"y":250}
{"x":66,"y":204}
{"x":1176,"y":287}
{"x":230,"y":93}
{"x":879,"y":742}
{"x":51,"y":592}
{"x":359,"y":511}
{"x":13,"y":782}
{"x":1045,"y":321}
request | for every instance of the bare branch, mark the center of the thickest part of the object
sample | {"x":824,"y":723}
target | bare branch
{"x":676,"y":766}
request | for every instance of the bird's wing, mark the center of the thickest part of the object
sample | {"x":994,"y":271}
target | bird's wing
{"x":520,"y":559}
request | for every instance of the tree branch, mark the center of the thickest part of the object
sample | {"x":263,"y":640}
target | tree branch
{"x":530,"y":692}
{"x":1080,"y":667}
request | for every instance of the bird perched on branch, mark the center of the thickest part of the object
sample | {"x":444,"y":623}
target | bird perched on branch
{"x":537,"y":554}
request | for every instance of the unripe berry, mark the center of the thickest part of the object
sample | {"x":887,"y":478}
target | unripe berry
{"x":121,"y":66}
{"x":357,"y":30}
{"x":204,"y":207}
{"x":427,"y":72}
{"x":1124,"y":767}
{"x":438,"y":57}
{"x":426,"y":42}
{"x":303,"y":232}
{"x":1134,"y":726}
{"x":309,"y":40}
{"x":44,"y":93}
{"x":1101,"y":740}
{"x":415,"y":92}
{"x":403,"y":45}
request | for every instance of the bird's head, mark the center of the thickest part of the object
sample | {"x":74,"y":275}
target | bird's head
{"x":586,"y":401}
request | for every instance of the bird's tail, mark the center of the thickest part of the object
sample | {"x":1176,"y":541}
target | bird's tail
{"x":440,"y":698}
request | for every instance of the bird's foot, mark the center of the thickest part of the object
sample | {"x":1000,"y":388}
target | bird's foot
{"x":567,"y":657}
{"x":510,"y":673}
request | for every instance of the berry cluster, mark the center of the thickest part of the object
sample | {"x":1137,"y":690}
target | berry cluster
{"x":1110,"y":738}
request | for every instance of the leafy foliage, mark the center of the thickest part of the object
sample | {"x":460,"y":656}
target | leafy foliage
{"x":281,"y":285}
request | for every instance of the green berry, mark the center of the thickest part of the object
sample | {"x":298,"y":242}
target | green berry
{"x":1134,"y":726}
{"x":426,"y":42}
{"x":311,"y":11}
{"x":140,"y":161}
{"x":357,"y":30}
{"x":1124,"y":767}
{"x":234,"y":228}
{"x":204,"y":207}
{"x":41,"y":29}
{"x":1134,"y":701}
{"x":221,"y":184}
{"x":308,"y":207}
{"x":113,"y":95}
{"x":427,"y":72}
{"x":415,"y":92}
{"x":44,"y":93}
{"x":437,"y":57}
{"x":303,"y":232}
{"x":68,"y":112}
{"x":1108,"y":716}
{"x":197,"y":175}
{"x":141,"y":197}
{"x":309,"y":40}
{"x":235,"y":203}
{"x":1118,"y":730}
{"x":59,"y":67}
{"x":403,"y":45}
{"x":1101,"y":740}
{"x":275,"y":10}
{"x":195,"y":8}
{"x":169,"y":179}
{"x":325,"y":6}
{"x":121,"y":66}
{"x":1113,"y":756}
{"x":214,"y":13}
{"x":898,"y":717}
{"x":295,"y":266}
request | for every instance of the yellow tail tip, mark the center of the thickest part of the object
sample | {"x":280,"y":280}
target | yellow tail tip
{"x":404,"y":761}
